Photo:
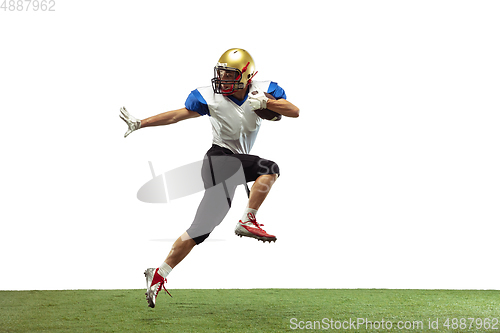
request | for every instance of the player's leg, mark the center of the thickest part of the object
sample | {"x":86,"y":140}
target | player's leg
{"x":221,"y":176}
{"x":156,"y":278}
{"x":264,"y":173}
{"x":260,"y":190}
{"x":211,"y":211}
{"x":180,"y":249}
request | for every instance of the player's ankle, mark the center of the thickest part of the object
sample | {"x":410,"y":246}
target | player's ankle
{"x":248,"y":215}
{"x":164,"y":270}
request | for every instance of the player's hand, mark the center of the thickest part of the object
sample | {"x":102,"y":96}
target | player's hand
{"x":257,"y":100}
{"x":132,"y":122}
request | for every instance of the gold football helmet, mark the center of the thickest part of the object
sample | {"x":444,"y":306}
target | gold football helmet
{"x":234,"y":71}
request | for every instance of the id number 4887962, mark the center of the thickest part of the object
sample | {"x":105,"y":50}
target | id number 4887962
{"x":28,"y":5}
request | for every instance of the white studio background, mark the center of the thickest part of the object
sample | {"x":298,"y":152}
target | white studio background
{"x":389,"y":176}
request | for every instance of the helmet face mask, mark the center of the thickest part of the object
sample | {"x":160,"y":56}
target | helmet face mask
{"x":233,"y":72}
{"x":226,"y":80}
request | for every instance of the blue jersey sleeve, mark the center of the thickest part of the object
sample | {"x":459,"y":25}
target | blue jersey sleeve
{"x":196,"y":102}
{"x":276,"y":91}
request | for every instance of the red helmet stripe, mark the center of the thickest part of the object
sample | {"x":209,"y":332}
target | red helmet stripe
{"x":245,"y":68}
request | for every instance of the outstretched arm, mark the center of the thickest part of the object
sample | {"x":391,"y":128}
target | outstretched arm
{"x":166,"y":118}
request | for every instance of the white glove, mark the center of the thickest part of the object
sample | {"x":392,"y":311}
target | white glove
{"x":132,"y":122}
{"x":257,"y":100}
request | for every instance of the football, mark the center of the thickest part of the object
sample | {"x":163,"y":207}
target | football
{"x":266,"y":113}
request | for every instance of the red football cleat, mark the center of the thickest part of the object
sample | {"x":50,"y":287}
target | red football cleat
{"x":154,"y":282}
{"x":253,"y":229}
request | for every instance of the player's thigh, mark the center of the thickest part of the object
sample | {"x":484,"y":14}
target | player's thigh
{"x":255,"y":166}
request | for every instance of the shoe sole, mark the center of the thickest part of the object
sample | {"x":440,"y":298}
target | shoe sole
{"x":246,"y":233}
{"x":149,"y":273}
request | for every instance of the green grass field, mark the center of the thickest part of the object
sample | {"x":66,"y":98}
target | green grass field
{"x":250,"y":310}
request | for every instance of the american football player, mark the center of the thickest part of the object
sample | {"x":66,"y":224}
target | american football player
{"x":229,"y":104}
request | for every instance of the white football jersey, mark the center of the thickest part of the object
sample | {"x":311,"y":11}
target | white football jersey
{"x":234,"y":126}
